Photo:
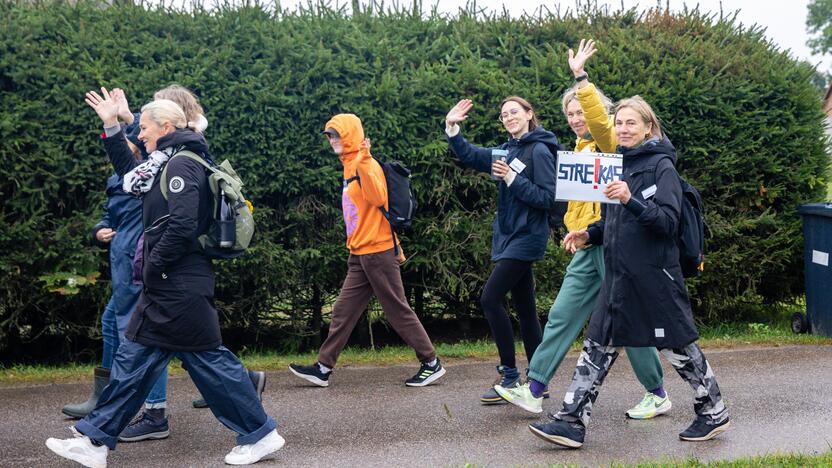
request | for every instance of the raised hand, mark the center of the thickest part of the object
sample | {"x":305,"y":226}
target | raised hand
{"x":459,"y":112}
{"x":577,"y":60}
{"x":123,"y":107}
{"x":105,"y":107}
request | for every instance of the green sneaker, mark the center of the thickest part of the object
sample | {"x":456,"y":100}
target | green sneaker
{"x":522,"y":397}
{"x":650,"y":406}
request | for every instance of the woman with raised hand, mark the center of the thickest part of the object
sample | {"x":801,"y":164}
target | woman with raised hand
{"x":587,"y":111}
{"x":175,"y":315}
{"x":643,"y":299}
{"x":523,"y":169}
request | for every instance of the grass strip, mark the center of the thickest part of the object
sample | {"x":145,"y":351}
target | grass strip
{"x":724,"y":336}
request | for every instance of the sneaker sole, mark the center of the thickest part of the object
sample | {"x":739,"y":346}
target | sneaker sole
{"x":557,"y":440}
{"x":659,"y":411}
{"x":507,"y":397}
{"x":311,"y":378}
{"x":57,"y":448}
{"x":151,"y":436}
{"x":717,"y":431}
{"x":433,"y":378}
{"x":493,"y":401}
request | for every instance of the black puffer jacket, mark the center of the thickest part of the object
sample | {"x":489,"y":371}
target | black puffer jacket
{"x":176,"y":309}
{"x":643,"y":300}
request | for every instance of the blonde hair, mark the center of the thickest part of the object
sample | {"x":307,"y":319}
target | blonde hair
{"x":571,"y":94}
{"x":187,"y":100}
{"x":163,"y":111}
{"x":533,"y":123}
{"x":648,"y":116}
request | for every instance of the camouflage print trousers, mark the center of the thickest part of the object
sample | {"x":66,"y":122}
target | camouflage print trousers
{"x":596,"y":361}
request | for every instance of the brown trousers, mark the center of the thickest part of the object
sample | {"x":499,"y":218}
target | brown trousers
{"x":377,"y":274}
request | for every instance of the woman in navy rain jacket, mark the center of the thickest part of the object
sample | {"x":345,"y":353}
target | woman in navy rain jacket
{"x":524,"y":171}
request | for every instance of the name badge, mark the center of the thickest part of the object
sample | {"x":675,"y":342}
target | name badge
{"x":517,"y":165}
{"x":648,"y":192}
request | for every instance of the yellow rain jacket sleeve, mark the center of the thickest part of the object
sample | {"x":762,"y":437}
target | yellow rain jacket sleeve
{"x":579,"y":215}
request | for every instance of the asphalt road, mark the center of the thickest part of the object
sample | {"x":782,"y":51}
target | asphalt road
{"x":780,"y":400}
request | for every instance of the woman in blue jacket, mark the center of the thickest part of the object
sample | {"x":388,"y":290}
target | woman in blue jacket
{"x":524,"y":170}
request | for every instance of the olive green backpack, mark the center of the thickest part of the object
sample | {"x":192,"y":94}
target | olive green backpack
{"x":232,"y":223}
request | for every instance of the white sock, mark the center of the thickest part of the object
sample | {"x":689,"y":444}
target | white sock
{"x":433,"y":363}
{"x":324,"y":369}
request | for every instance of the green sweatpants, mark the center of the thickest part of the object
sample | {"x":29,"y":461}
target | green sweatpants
{"x":569,"y":313}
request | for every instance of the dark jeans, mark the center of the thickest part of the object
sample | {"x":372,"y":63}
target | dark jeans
{"x":217,"y":373}
{"x":515,"y":276}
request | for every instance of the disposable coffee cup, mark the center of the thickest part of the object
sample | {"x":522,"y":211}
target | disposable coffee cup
{"x":496,"y":155}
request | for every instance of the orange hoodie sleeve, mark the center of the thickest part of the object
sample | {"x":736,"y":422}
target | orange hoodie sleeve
{"x":373,"y":184}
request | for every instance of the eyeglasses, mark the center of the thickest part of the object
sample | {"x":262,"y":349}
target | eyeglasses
{"x":511,"y":113}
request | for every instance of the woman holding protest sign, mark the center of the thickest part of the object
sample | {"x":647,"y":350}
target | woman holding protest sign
{"x":524,"y":170}
{"x":175,"y":315}
{"x":643,"y":297}
{"x":587,"y":111}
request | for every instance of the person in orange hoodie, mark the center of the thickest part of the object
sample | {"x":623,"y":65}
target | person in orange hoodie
{"x":373,"y":265}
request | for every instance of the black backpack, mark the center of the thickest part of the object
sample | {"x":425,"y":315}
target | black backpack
{"x":400,"y":199}
{"x":691,"y":235}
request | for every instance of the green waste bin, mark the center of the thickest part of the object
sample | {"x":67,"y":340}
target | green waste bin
{"x":817,"y":234}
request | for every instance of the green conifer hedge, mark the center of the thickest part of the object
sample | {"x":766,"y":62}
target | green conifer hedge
{"x":744,"y":116}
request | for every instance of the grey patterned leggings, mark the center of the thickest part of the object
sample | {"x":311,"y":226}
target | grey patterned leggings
{"x":596,"y":361}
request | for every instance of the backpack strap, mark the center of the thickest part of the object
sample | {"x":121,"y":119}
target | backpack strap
{"x":383,"y":212}
{"x":163,"y":183}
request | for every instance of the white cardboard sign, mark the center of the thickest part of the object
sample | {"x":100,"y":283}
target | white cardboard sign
{"x":584,"y":176}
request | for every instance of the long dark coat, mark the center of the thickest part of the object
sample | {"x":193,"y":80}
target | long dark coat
{"x":176,"y":308}
{"x":643,"y":300}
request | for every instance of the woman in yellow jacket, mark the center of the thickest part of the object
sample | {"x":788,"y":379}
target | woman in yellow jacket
{"x":587,"y":110}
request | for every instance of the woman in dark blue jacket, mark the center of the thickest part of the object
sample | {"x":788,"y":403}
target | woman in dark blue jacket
{"x":119,"y":230}
{"x":524,"y":171}
{"x":643,"y":300}
{"x":175,"y":315}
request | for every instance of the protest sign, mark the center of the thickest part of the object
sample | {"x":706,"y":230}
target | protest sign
{"x":584,"y":176}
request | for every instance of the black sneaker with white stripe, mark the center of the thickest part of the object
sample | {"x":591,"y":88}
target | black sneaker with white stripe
{"x":311,"y":373}
{"x":427,"y":375}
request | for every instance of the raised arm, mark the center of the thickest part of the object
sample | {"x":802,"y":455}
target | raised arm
{"x":114,"y":142}
{"x":469,"y":155}
{"x":600,"y":125}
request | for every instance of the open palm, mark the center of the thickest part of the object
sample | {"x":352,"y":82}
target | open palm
{"x":105,"y":107}
{"x":577,"y":60}
{"x":459,"y":112}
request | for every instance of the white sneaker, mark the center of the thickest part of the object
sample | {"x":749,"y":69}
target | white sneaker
{"x":650,"y":406}
{"x":81,"y":450}
{"x":253,"y":453}
{"x":521,"y":397}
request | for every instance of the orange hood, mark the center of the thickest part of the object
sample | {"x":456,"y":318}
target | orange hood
{"x":351,"y":132}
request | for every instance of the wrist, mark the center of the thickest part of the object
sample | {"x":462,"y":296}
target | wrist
{"x":110,"y":122}
{"x":583,"y":76}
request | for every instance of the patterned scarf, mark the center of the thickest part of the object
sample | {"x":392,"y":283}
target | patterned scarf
{"x":140,"y":179}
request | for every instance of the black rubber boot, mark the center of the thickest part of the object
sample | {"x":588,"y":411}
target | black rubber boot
{"x":101,"y":377}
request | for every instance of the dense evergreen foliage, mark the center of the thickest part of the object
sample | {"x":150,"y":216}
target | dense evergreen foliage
{"x":744,"y":116}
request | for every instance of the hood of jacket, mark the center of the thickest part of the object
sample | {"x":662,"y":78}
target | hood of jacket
{"x":184,"y":138}
{"x":651,"y":147}
{"x":538,"y":135}
{"x":351,"y":131}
